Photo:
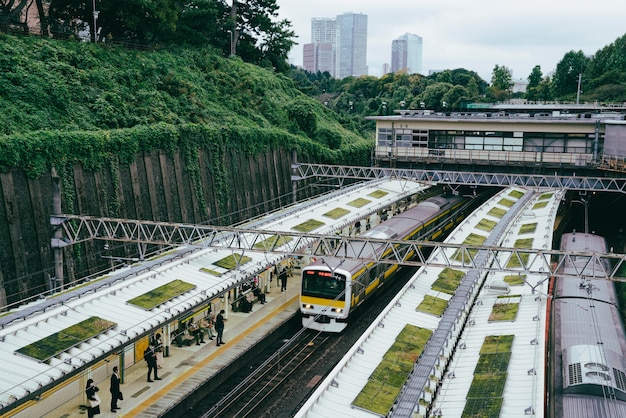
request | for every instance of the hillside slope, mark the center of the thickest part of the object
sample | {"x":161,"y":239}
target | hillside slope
{"x":63,"y":86}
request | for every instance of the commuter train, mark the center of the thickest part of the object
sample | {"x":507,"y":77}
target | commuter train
{"x":589,"y":342}
{"x":332,"y":288}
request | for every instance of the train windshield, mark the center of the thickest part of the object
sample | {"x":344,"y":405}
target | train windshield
{"x":322,"y":284}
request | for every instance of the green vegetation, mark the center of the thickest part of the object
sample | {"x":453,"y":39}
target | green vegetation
{"x":308,"y":226}
{"x":448,"y":280}
{"x":61,"y":341}
{"x":514,"y":279}
{"x":377,"y":194}
{"x":505,"y":309}
{"x":337,"y":213}
{"x":484,"y":398}
{"x":272,"y":242}
{"x":516,"y":194}
{"x":472,"y":239}
{"x":506,"y":202}
{"x":540,"y":205}
{"x":67,"y":103}
{"x":496,"y":212}
{"x":161,"y":294}
{"x":546,"y":196}
{"x":360,"y":202}
{"x":210,"y":271}
{"x":432,"y":305}
{"x":385,"y":383}
{"x":486,"y":225}
{"x":528,"y":228}
{"x":232,"y":261}
{"x":523,"y":258}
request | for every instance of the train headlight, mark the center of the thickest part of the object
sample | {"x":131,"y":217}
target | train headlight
{"x":338,"y":310}
{"x":307,"y":306}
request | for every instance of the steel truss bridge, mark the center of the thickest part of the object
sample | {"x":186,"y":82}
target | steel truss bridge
{"x":545,"y":262}
{"x":77,"y":228}
{"x":301,"y":171}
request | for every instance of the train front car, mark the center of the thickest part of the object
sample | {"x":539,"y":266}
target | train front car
{"x":325,"y":295}
{"x":332,"y":288}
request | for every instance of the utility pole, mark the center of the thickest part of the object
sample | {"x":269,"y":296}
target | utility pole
{"x":95,"y":19}
{"x":580,"y":76}
{"x":233,"y":31}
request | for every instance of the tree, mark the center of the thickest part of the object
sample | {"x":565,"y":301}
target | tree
{"x":142,"y":21}
{"x":501,"y":78}
{"x":10,"y":11}
{"x":433,"y":95}
{"x":456,"y":97}
{"x":501,"y":84}
{"x":565,"y":80}
{"x":256,"y":35}
{"x":200,"y":22}
{"x":534,"y":79}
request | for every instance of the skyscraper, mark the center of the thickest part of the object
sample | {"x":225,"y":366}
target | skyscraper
{"x":406,"y":54}
{"x":319,"y":55}
{"x":351,"y":45}
{"x":338,"y":45}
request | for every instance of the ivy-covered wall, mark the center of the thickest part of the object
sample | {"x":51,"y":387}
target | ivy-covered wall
{"x":189,"y":174}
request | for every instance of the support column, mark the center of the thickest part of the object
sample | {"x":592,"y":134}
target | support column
{"x":58,"y":234}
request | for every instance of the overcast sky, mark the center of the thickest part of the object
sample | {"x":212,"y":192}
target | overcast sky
{"x":475,"y":35}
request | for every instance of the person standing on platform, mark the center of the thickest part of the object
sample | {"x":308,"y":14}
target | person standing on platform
{"x":116,"y":393}
{"x":283,"y":280}
{"x":158,"y":350}
{"x":219,"y":326}
{"x":150,"y":358}
{"x":93,"y":399}
{"x":211,"y":326}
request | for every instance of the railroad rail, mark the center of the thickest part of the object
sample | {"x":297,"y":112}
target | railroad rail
{"x":244,"y":400}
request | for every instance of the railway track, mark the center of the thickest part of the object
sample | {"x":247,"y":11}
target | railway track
{"x":247,"y":397}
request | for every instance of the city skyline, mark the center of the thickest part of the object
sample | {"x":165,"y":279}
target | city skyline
{"x":475,"y":36}
{"x":338,"y":45}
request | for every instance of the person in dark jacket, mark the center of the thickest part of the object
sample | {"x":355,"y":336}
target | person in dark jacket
{"x":116,"y":393}
{"x":219,"y":327}
{"x":150,"y":358}
{"x":283,"y":280}
{"x":93,"y":399}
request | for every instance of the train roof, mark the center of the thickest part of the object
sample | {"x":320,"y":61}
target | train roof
{"x":583,"y":242}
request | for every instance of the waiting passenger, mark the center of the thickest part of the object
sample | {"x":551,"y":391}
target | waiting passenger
{"x":259,"y":295}
{"x":195,"y":330}
{"x":246,"y":303}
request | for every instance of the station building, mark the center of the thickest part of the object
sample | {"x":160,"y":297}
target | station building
{"x":513,"y":137}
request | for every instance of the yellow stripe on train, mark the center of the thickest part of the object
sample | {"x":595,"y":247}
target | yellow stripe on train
{"x":310,"y":300}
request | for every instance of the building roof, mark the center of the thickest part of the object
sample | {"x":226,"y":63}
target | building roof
{"x":108,"y":297}
{"x":451,"y":375}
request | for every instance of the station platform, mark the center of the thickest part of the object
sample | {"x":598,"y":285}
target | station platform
{"x":188,"y":368}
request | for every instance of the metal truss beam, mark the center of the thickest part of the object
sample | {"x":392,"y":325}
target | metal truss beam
{"x":546,"y":262}
{"x":303,"y":170}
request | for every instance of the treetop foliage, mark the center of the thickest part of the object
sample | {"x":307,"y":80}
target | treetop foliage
{"x":602,"y":78}
{"x":50,"y":86}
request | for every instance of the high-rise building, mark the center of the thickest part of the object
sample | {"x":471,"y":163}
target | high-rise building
{"x":323,"y":30}
{"x":351,"y":45}
{"x":319,"y":55}
{"x":406,"y":54}
{"x":338,"y":45}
